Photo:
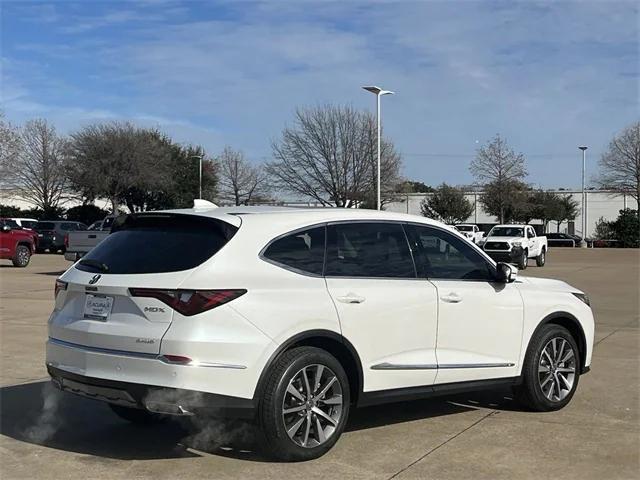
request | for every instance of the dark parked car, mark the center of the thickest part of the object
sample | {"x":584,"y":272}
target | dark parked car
{"x":563,"y":240}
{"x":51,"y":233}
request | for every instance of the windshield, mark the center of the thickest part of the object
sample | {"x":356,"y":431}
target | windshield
{"x":506,"y":232}
{"x":28,"y":223}
{"x":155,"y":243}
{"x":45,"y":226}
{"x":464,"y":228}
{"x":11,"y":223}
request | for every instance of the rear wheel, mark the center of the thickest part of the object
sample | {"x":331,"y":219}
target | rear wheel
{"x":22,"y":256}
{"x":305,"y":404}
{"x":541,"y":259}
{"x":137,"y":415}
{"x":551,"y":370}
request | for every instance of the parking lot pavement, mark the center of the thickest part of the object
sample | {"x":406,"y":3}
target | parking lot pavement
{"x":46,"y":434}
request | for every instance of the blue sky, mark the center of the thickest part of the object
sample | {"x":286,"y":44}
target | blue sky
{"x":547,"y":76}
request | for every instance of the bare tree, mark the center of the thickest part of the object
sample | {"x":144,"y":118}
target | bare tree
{"x":498,"y":162}
{"x":38,"y":175}
{"x":9,"y":148}
{"x":239,"y":181}
{"x":501,"y":170}
{"x":330,"y":155}
{"x":620,"y":164}
{"x":119,"y":161}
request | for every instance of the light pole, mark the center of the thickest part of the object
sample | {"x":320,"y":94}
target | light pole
{"x":200,"y":180}
{"x":378,"y":93}
{"x":584,"y":197}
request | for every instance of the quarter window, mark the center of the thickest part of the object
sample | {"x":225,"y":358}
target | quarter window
{"x":301,"y":250}
{"x":368,"y":250}
{"x":441,"y":255}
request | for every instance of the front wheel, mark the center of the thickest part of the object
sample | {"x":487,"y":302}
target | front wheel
{"x":22,"y":256}
{"x":524,"y":259}
{"x":551,"y":370}
{"x":541,"y":259}
{"x":305,"y":405}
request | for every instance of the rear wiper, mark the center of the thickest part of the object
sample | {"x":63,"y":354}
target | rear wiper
{"x":95,"y":264}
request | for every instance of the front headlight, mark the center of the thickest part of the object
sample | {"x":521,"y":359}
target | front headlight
{"x":517,"y":244}
{"x":583,"y":297}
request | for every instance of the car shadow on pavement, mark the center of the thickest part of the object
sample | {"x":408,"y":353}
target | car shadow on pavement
{"x":53,"y":274}
{"x":37,"y":413}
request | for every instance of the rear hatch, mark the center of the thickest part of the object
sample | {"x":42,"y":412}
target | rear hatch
{"x":97,"y":305}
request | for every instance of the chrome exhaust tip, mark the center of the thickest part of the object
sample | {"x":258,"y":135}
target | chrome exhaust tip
{"x":167,"y":409}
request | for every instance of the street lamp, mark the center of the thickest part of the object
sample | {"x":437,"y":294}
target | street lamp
{"x":200,"y":182}
{"x":584,"y":197}
{"x":378,"y":93}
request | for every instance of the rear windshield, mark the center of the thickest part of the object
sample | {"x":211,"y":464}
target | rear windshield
{"x":464,"y":228}
{"x":45,"y":226}
{"x":155,"y":243}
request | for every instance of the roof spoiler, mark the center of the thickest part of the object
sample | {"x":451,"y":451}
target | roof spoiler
{"x":199,"y":203}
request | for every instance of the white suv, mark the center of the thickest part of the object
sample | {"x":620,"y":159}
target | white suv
{"x":292,"y":316}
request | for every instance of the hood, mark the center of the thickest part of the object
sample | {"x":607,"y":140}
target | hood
{"x":548,"y":284}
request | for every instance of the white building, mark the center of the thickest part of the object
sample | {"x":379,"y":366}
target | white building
{"x":600,"y":204}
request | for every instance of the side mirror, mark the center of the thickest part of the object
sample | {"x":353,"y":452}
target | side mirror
{"x":6,"y":228}
{"x":506,"y":273}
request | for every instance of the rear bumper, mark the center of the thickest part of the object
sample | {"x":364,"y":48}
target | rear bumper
{"x":171,"y":401}
{"x":134,"y":379}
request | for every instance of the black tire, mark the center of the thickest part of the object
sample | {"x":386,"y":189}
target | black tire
{"x":524,"y":259}
{"x":22,"y":256}
{"x":271,"y":419}
{"x":137,"y":416}
{"x":530,"y":393}
{"x":542,"y":258}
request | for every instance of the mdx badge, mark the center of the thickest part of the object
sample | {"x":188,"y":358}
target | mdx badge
{"x":154,"y":309}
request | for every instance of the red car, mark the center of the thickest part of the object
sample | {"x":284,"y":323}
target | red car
{"x":16,"y":244}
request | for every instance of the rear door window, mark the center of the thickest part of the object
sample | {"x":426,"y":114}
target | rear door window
{"x":156,"y":243}
{"x":301,"y":250}
{"x":375,"y":250}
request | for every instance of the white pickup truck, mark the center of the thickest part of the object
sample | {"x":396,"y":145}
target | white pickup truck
{"x":77,"y":244}
{"x":516,"y":244}
{"x":472,"y":232}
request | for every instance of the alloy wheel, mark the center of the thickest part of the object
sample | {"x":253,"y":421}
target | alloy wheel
{"x":312,"y":406}
{"x":23,"y":256}
{"x":557,"y":369}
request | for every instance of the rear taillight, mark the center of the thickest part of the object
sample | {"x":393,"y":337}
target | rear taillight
{"x":60,"y":285}
{"x":66,"y":240}
{"x":189,"y":302}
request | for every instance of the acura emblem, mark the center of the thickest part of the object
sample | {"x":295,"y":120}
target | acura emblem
{"x":94,"y":279}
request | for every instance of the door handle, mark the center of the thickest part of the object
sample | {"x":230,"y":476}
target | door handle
{"x":451,"y":298}
{"x":351,"y":298}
